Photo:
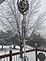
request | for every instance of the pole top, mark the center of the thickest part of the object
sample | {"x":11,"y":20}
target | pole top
{"x":23,"y":6}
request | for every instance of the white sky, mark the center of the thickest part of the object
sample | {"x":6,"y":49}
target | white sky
{"x":43,"y":9}
{"x":43,"y":5}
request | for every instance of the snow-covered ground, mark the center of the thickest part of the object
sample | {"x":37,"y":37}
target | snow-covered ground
{"x":30,"y":55}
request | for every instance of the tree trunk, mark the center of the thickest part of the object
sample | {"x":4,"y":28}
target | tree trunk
{"x":2,"y":47}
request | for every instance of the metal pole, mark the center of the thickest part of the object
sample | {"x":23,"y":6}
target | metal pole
{"x":36,"y":53}
{"x":10,"y":55}
{"x":21,"y":56}
{"x":2,"y":47}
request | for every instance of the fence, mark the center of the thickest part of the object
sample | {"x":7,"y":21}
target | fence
{"x":15,"y":56}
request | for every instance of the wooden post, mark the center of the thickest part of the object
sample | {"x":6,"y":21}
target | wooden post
{"x":10,"y":55}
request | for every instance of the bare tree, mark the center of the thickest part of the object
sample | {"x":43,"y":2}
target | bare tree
{"x":11,"y":18}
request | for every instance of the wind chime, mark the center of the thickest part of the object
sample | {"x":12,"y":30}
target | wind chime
{"x":23,"y":7}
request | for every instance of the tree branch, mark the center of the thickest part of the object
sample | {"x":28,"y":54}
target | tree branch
{"x":14,"y":13}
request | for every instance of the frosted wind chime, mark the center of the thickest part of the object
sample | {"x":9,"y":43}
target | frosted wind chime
{"x":23,"y":7}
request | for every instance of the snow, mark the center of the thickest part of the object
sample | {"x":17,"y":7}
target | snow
{"x":30,"y":55}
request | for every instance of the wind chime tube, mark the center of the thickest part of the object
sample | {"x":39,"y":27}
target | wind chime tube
{"x":23,"y":27}
{"x":24,"y":32}
{"x":24,"y":48}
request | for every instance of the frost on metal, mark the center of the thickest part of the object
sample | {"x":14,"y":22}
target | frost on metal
{"x":1,"y":1}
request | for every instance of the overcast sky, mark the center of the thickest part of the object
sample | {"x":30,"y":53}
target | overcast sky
{"x":43,"y":5}
{"x":43,"y":9}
